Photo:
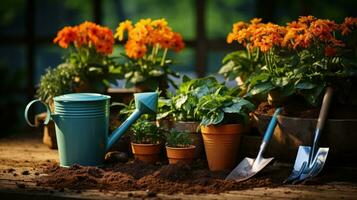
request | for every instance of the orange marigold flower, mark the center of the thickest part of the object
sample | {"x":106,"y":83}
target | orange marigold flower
{"x":306,"y":19}
{"x":348,"y":24}
{"x":66,"y":36}
{"x":177,"y":42}
{"x":87,"y":34}
{"x":255,"y":20}
{"x":135,"y":49}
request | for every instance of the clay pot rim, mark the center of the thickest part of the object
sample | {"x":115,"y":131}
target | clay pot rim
{"x":181,"y":148}
{"x":306,"y":119}
{"x":187,"y":122}
{"x":225,"y":129}
{"x":144,"y":145}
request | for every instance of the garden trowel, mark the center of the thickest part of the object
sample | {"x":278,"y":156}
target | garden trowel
{"x":310,"y":160}
{"x":249,"y":166}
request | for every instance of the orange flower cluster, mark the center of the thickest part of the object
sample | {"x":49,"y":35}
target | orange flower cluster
{"x":87,"y":34}
{"x":303,"y":33}
{"x":147,"y":33}
{"x":257,"y":34}
{"x":348,"y":25}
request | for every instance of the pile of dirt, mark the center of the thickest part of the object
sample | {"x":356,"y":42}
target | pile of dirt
{"x":163,"y":178}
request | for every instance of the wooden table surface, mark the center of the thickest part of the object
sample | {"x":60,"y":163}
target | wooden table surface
{"x":23,"y":155}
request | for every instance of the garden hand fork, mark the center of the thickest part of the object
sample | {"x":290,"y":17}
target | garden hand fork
{"x":310,"y":160}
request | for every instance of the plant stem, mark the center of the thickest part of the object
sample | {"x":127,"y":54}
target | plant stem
{"x":163,"y":57}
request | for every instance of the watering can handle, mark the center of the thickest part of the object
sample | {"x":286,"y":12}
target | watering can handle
{"x":48,"y":112}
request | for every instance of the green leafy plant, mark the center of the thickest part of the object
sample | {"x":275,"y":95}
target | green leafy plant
{"x":145,"y":132}
{"x":178,"y":139}
{"x":183,"y":104}
{"x":219,"y":108}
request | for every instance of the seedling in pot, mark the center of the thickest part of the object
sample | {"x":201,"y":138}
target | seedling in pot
{"x":179,"y":147}
{"x":146,"y":139}
{"x":145,"y":132}
{"x":179,"y":139}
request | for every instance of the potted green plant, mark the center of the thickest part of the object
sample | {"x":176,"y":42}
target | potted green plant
{"x":148,"y":42}
{"x":223,"y":116}
{"x":179,"y":147}
{"x":180,"y":108}
{"x":87,"y":68}
{"x":145,"y":141}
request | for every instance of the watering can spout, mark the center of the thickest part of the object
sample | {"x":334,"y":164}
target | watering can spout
{"x":145,"y":103}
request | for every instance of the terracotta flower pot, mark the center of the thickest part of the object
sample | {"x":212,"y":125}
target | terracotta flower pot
{"x":221,"y":145}
{"x":184,"y":154}
{"x":195,"y":135}
{"x":148,"y":153}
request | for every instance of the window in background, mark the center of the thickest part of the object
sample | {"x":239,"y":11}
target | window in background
{"x":220,"y":16}
{"x":50,"y":16}
{"x":12,"y":15}
{"x":47,"y":56}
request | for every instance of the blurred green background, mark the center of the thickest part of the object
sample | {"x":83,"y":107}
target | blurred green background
{"x":27,"y":28}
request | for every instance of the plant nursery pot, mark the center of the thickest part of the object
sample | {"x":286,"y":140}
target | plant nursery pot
{"x":221,"y":145}
{"x":148,"y":153}
{"x":195,"y":135}
{"x":49,"y":131}
{"x":291,"y":132}
{"x":176,"y":154}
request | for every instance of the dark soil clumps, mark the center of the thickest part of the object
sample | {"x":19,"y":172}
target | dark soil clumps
{"x":160,"y":178}
{"x":291,"y":109}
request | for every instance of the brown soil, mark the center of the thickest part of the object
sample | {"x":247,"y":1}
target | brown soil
{"x":169,"y":179}
{"x":297,"y":107}
{"x":293,"y":109}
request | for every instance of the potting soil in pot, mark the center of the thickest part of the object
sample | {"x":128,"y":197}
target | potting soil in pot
{"x":163,"y":178}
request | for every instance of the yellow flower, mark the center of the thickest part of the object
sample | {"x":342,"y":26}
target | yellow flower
{"x":123,"y":26}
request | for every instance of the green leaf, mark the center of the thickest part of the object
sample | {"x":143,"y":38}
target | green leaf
{"x":305,"y":85}
{"x":180,"y":101}
{"x":261,"y":88}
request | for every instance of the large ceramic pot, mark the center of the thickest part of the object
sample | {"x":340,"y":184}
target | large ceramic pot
{"x":291,"y":132}
{"x":195,"y":135}
{"x":221,"y":144}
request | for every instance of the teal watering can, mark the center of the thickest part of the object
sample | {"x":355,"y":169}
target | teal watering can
{"x":82,"y":121}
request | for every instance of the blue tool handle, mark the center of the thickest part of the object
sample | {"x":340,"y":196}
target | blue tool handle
{"x":270,"y":130}
{"x":48,"y":112}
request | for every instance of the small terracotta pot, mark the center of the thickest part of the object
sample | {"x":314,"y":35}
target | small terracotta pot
{"x":195,"y":134}
{"x":221,"y":145}
{"x":148,"y":153}
{"x":176,"y":154}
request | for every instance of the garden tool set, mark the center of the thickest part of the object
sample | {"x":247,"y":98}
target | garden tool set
{"x":82,"y":120}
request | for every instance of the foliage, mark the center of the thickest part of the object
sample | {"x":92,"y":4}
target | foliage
{"x":178,"y":139}
{"x":181,"y":107}
{"x":146,"y":48}
{"x":300,"y":58}
{"x":223,"y":108}
{"x":145,"y":132}
{"x":87,"y":67}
